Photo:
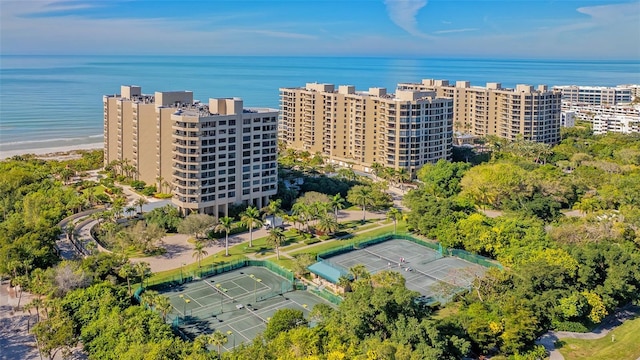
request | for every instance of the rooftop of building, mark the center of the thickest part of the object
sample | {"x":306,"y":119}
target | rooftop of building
{"x":589,"y":87}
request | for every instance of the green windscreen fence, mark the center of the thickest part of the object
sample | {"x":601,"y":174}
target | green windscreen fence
{"x":332,"y":272}
{"x":215,"y":269}
{"x":474,"y":258}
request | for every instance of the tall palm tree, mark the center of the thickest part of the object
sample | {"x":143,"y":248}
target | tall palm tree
{"x":199,"y":251}
{"x":251,"y":218}
{"x":127,"y":271}
{"x":140,"y":202}
{"x":143,"y":270}
{"x":337,"y":203}
{"x":160,"y":180}
{"x":276,"y":238}
{"x":302,"y":211}
{"x":394,"y":214}
{"x":218,"y":339}
{"x":37,"y":304}
{"x":273,"y":209}
{"x":163,"y":305}
{"x":225,"y":224}
{"x":376,"y":168}
{"x":361,"y":195}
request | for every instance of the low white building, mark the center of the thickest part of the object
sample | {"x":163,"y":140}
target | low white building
{"x":604,"y":123}
{"x":568,"y":119}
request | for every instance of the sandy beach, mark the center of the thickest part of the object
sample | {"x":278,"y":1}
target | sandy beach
{"x":59,"y":153}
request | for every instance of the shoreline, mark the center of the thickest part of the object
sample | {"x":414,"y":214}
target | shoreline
{"x":53,"y":153}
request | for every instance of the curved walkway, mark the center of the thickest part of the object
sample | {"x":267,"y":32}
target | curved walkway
{"x":623,"y":314}
{"x":180,"y":251}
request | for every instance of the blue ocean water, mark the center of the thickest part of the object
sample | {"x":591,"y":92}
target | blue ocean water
{"x":48,"y":101}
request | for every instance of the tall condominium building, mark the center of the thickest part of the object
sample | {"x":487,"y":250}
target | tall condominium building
{"x":595,"y":95}
{"x":211,"y":155}
{"x":403,"y":130}
{"x":494,"y":110}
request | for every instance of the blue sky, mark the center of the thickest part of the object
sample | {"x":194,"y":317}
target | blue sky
{"x":571,"y":29}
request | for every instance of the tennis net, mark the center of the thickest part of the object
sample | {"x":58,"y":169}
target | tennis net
{"x":255,"y":314}
{"x":218,"y":290}
{"x":412,"y":269}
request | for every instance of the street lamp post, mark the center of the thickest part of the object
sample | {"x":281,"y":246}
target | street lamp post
{"x":181,"y":276}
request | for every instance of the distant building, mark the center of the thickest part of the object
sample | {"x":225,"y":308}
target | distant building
{"x":610,"y":118}
{"x":210,"y":155}
{"x":358,"y":128}
{"x":568,"y":119}
{"x":595,"y":95}
{"x":533,"y":113}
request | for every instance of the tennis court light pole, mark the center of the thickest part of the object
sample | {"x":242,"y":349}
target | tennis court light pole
{"x":255,"y":287}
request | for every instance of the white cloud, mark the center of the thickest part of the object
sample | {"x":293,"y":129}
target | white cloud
{"x":455,"y":31}
{"x":613,"y":12}
{"x":403,"y":13}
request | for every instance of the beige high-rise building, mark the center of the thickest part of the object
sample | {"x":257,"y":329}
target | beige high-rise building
{"x":533,"y":113}
{"x":403,"y":130}
{"x":210,"y":155}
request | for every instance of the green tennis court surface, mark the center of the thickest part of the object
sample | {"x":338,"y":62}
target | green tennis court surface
{"x":424,"y":269}
{"x":237,"y":303}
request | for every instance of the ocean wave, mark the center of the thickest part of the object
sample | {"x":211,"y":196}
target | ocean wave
{"x":49,"y":140}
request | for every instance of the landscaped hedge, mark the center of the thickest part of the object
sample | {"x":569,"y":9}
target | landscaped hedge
{"x":237,"y":228}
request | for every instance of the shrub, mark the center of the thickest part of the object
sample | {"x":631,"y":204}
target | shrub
{"x":149,"y":190}
{"x":138,"y":184}
{"x":313,"y":240}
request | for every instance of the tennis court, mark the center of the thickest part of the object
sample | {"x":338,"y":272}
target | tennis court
{"x":238,"y":303}
{"x":424,"y":269}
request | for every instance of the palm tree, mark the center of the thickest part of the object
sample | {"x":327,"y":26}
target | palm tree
{"x":303,"y":212}
{"x":337,"y":203}
{"x":251,"y":218}
{"x":359,"y":272}
{"x":143,"y":270}
{"x":130,"y":210}
{"x":394,"y":214}
{"x":160,"y":180}
{"x":149,"y":297}
{"x":276,"y":238}
{"x":218,"y":339}
{"x":225,"y":224}
{"x":163,"y":305}
{"x":127,"y":271}
{"x":199,"y":251}
{"x":327,"y":224}
{"x":376,"y":168}
{"x":37,"y":304}
{"x":140,"y":202}
{"x":401,"y":175}
{"x":361,"y":195}
{"x":273,"y":209}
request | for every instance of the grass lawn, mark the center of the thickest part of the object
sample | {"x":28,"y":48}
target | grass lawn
{"x":626,"y":344}
{"x":97,"y":190}
{"x":330,"y":244}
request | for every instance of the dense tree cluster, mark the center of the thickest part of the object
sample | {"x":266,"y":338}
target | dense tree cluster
{"x":33,"y":199}
{"x":561,"y":272}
